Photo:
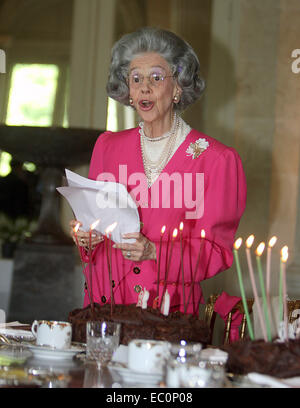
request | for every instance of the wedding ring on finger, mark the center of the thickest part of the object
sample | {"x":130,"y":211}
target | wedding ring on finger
{"x":128,"y":254}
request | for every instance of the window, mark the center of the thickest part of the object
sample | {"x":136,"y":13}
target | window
{"x":32,"y":94}
{"x":112,"y":116}
{"x":31,"y":102}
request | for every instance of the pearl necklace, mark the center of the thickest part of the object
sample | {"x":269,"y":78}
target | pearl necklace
{"x":157,"y":139}
{"x":154,"y":168}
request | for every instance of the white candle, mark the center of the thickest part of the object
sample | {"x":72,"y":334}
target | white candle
{"x":165,"y":307}
{"x":140,"y":299}
{"x":145,"y":299}
{"x":249,"y":243}
{"x":259,"y":251}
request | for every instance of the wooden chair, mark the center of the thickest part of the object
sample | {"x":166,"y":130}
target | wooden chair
{"x":210,"y":317}
{"x":293,"y":307}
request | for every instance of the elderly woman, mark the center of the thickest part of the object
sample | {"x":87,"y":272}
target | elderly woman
{"x":190,"y":178}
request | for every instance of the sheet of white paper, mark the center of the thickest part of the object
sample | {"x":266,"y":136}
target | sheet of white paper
{"x":108,"y":202}
{"x":75,"y":179}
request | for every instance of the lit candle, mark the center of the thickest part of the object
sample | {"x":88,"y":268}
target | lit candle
{"x":249,"y":243}
{"x":283,"y":259}
{"x":236,"y":246}
{"x":259,"y":251}
{"x":108,"y":233}
{"x":271,"y":243}
{"x":182,"y":267}
{"x":174,"y":235}
{"x":75,"y":229}
{"x":92,"y":227}
{"x":197,"y":264}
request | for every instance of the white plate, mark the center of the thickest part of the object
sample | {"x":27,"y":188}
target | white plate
{"x":55,"y":354}
{"x":132,"y":377}
{"x":23,"y":334}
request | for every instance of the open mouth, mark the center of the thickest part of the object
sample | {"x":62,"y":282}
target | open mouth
{"x":145,"y":104}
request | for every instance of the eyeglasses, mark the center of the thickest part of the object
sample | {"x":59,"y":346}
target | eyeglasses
{"x":155,"y":79}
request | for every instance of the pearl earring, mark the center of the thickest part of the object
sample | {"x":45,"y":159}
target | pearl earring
{"x":176,"y":99}
{"x":131,"y":101}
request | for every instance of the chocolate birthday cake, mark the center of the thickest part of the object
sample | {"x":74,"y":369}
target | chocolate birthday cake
{"x":138,"y":323}
{"x":280,"y":360}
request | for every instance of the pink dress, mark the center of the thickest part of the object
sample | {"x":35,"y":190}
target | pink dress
{"x":214,"y":183}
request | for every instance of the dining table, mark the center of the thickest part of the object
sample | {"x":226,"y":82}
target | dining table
{"x":23,"y":364}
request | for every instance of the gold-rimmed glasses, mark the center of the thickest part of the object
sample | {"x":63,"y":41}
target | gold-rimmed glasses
{"x":155,"y":79}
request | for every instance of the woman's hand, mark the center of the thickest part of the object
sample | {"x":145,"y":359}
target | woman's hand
{"x":84,"y":237}
{"x":141,"y":250}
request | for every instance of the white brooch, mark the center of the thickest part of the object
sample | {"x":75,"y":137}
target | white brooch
{"x":195,"y":149}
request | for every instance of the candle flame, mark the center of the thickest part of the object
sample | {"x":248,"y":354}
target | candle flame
{"x":94,"y":225}
{"x":163,"y":230}
{"x":110,"y":228}
{"x":272,"y":242}
{"x":181,"y":226}
{"x":175,"y":232}
{"x":76,"y":228}
{"x":284,"y":253}
{"x":238,"y":243}
{"x":202,"y":233}
{"x":260,"y":248}
{"x":250,"y":241}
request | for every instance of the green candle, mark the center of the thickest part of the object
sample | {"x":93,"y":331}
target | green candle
{"x":280,"y":294}
{"x":237,"y":244}
{"x":259,"y":251}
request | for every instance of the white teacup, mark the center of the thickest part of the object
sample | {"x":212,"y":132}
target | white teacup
{"x":52,"y":333}
{"x":148,"y":356}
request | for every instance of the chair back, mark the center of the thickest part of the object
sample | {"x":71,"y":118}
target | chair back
{"x":293,"y":310}
{"x":210,"y":317}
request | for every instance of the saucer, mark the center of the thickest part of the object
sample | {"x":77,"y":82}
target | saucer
{"x":119,"y":368}
{"x":134,"y":377}
{"x":17,"y":333}
{"x":55,"y":354}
